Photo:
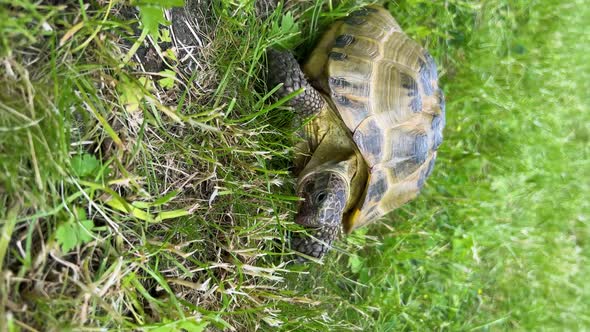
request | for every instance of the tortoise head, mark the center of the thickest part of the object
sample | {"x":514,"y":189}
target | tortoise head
{"x":325,"y":195}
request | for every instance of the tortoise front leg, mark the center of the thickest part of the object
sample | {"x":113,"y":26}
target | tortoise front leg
{"x":283,"y":68}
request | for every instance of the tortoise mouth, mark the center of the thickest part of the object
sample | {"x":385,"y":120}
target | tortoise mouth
{"x":306,"y":221}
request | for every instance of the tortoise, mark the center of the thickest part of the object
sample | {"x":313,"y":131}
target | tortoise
{"x":373,"y":120}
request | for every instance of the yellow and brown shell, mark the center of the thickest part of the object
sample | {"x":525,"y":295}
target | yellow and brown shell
{"x":385,"y":88}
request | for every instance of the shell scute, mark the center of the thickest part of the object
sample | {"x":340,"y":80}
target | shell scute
{"x":351,"y":87}
{"x":437,"y":128}
{"x":426,"y":171}
{"x":369,"y":140}
{"x":428,"y":74}
{"x":344,"y":40}
{"x":377,"y":189}
{"x":395,"y":94}
{"x":409,"y":150}
{"x":438,"y":122}
{"x":355,"y":20}
{"x":411,"y":86}
{"x":337,"y":56}
{"x":363,"y":11}
{"x":363,"y":49}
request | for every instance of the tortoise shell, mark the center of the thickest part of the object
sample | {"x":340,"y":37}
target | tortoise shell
{"x":384,"y":86}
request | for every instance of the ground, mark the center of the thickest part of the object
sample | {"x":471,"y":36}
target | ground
{"x":144,"y":174}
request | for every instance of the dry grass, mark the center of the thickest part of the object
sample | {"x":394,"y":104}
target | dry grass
{"x":145,"y":185}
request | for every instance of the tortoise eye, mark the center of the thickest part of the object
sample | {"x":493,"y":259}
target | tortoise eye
{"x":320,"y":197}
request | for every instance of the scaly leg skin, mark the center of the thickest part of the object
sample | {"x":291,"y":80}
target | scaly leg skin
{"x":316,"y":245}
{"x":283,"y":68}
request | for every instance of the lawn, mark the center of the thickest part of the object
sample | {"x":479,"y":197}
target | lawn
{"x":146,"y":185}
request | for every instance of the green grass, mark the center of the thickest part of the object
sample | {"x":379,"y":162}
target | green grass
{"x":125,"y":204}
